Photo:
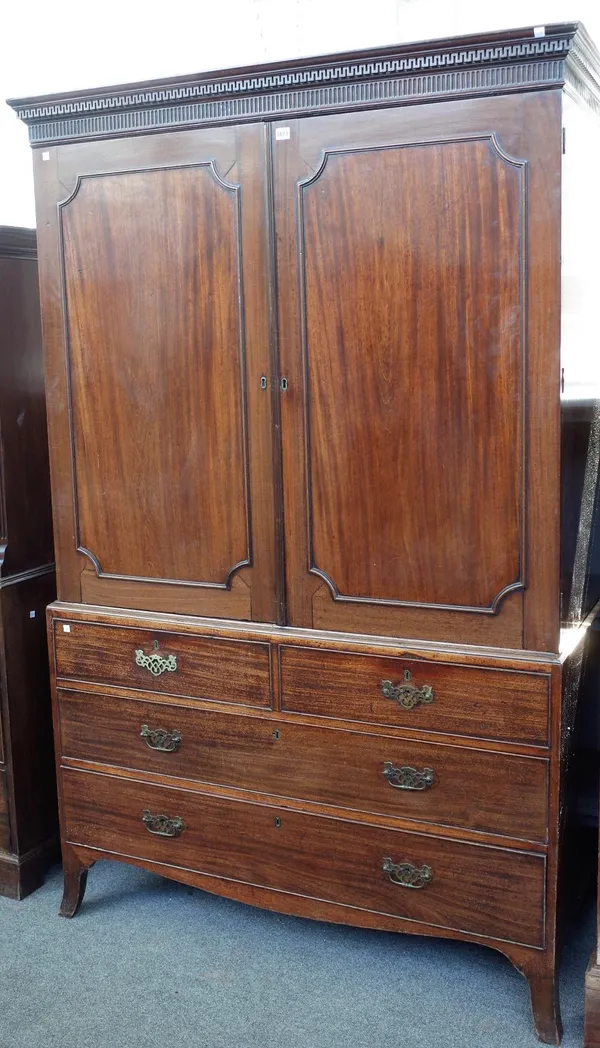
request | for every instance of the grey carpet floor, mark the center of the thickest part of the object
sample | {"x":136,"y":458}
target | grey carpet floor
{"x":151,"y":964}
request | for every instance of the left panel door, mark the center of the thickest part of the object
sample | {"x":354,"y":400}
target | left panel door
{"x":155,"y":309}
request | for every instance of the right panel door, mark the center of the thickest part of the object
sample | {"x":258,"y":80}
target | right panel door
{"x":421,"y":370}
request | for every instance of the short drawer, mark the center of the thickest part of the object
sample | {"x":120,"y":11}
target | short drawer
{"x":463,"y":700}
{"x":450,"y":785}
{"x":487,"y":891}
{"x":4,"y":820}
{"x":169,"y":663}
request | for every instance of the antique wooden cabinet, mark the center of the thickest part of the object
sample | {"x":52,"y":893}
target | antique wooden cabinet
{"x":28,"y":810}
{"x":303,"y":359}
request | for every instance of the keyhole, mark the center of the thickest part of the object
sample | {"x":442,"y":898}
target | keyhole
{"x":276,"y":734}
{"x":277,"y":822}
{"x":155,"y":644}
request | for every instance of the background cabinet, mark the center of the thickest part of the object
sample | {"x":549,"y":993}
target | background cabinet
{"x":28,"y":816}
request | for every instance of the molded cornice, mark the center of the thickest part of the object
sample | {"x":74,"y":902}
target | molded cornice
{"x":489,"y":64}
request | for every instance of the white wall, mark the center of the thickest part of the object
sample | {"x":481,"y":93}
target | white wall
{"x":44,"y":49}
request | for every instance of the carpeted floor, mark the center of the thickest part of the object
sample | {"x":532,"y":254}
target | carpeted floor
{"x":151,"y":964}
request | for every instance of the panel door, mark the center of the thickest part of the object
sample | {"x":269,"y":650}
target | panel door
{"x":158,"y":371}
{"x":418,"y":326}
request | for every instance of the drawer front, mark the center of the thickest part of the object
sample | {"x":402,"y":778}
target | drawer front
{"x":451,"y":785}
{"x":169,"y":663}
{"x":432,"y":696}
{"x":4,"y":820}
{"x":483,"y":890}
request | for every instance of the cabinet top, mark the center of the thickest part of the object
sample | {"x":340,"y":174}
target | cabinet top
{"x":535,"y":58}
{"x":17,"y":242}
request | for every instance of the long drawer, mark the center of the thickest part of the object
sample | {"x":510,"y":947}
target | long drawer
{"x":483,"y":890}
{"x":506,"y":705}
{"x":160,"y":661}
{"x":450,"y":785}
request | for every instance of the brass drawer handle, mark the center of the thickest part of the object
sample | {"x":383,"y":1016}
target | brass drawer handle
{"x":407,"y":778}
{"x":162,"y":825}
{"x":159,"y":739}
{"x":407,"y":875}
{"x":407,"y":694}
{"x":156,"y":663}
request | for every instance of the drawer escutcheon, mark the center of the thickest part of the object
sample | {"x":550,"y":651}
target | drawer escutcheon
{"x":404,"y":777}
{"x":406,"y":875}
{"x":156,"y":663}
{"x":407,"y":694}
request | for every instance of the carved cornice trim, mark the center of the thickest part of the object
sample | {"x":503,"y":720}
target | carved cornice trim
{"x":17,"y":242}
{"x":490,"y":64}
{"x":582,"y":72}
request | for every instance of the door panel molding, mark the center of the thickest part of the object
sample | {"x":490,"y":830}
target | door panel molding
{"x":234,"y":188}
{"x":520,"y":165}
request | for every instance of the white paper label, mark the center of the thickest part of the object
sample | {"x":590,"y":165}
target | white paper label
{"x":66,"y":629}
{"x":45,"y":156}
{"x":32,"y":614}
{"x":281,"y":133}
{"x":539,"y":30}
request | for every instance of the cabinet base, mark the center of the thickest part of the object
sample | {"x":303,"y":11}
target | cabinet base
{"x":22,"y":875}
{"x":591,"y":1037}
{"x":537,"y":966}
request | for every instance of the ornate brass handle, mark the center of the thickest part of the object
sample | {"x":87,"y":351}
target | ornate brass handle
{"x":407,"y":778}
{"x":407,"y":875}
{"x":159,"y":739}
{"x":162,"y":825}
{"x":156,"y":663}
{"x":407,"y":694}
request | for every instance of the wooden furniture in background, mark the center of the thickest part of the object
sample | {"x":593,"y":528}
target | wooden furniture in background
{"x":28,"y":810}
{"x":302,"y":329}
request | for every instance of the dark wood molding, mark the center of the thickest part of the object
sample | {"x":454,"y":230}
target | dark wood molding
{"x":135,"y":618}
{"x":483,"y":64}
{"x":25,"y":576}
{"x":18,"y":242}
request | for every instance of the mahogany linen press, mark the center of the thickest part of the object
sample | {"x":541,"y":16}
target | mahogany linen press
{"x":302,"y":328}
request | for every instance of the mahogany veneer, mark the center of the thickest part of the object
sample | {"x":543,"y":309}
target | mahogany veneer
{"x":352,"y":769}
{"x":302,"y":329}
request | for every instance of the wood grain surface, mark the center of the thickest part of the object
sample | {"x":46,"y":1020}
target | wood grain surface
{"x":312,"y":856}
{"x":224,"y":670}
{"x":478,"y":790}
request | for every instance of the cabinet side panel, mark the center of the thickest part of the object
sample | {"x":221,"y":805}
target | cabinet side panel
{"x":26,"y":478}
{"x":580,"y":360}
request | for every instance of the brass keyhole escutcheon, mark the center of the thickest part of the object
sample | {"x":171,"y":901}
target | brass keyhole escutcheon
{"x":407,"y":694}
